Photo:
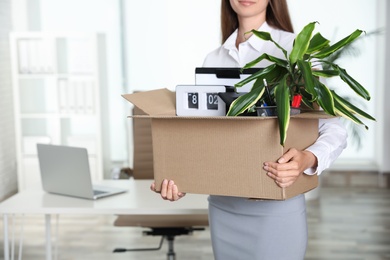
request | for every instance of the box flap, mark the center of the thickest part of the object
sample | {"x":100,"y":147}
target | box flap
{"x":154,"y":102}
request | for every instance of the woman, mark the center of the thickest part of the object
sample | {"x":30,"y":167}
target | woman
{"x":274,"y":230}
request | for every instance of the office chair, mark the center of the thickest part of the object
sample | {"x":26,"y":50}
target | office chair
{"x":166,"y":226}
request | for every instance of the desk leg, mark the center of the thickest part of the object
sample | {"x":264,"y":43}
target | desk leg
{"x":48,"y":236}
{"x":6,"y":245}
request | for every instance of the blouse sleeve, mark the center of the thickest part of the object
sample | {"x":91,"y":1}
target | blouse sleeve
{"x":331,"y":142}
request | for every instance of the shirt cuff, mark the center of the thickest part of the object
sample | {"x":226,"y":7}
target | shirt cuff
{"x":311,"y":171}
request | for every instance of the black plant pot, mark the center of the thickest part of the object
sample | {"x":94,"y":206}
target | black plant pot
{"x":229,"y":96}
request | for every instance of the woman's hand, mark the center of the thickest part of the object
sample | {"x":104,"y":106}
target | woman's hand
{"x":169,"y":190}
{"x":288,"y":168}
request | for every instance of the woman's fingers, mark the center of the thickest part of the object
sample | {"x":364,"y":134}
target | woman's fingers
{"x":283,"y":176}
{"x":169,"y":191}
{"x":175,"y":192}
{"x":283,"y":181}
{"x":284,"y":184}
{"x":170,"y":195}
{"x":164,"y":189}
{"x":153,"y":187}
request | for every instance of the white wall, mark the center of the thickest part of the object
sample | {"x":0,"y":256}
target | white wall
{"x":168,"y":39}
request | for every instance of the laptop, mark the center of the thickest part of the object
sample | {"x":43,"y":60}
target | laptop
{"x":65,"y":170}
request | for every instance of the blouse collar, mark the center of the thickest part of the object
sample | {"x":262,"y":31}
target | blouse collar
{"x":253,"y":41}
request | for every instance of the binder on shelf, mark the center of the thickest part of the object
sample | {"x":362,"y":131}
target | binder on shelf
{"x":47,"y":54}
{"x":71,"y":96}
{"x":80,"y":96}
{"x":35,"y":56}
{"x":76,"y":96}
{"x":89,"y":97}
{"x":40,"y":56}
{"x":23,"y":56}
{"x":63,"y":96}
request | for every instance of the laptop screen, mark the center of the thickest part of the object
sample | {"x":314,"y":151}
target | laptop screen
{"x":65,"y":170}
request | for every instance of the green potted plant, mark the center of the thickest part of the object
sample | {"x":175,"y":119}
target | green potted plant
{"x":287,"y":82}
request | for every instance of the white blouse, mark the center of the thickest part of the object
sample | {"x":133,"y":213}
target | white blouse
{"x":332,"y":134}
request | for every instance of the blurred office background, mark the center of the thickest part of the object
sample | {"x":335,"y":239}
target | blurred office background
{"x":144,"y":45}
{"x":158,"y":44}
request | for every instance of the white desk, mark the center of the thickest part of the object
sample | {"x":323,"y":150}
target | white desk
{"x":139,"y":200}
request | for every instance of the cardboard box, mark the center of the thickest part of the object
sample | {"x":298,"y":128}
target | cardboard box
{"x":222,"y":155}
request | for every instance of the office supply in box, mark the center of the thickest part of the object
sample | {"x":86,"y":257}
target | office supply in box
{"x":224,"y":76}
{"x":222,"y":155}
{"x":196,"y":100}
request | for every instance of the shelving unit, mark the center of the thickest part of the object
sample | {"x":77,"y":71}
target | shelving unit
{"x":58,"y":79}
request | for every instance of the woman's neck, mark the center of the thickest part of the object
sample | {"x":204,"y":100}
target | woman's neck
{"x":245,"y":26}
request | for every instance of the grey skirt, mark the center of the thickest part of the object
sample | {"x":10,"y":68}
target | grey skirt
{"x":266,"y":230}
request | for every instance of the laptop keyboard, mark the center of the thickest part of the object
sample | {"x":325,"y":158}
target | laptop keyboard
{"x":97,"y":192}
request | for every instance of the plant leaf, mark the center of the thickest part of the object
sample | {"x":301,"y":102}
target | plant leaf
{"x":265,"y":56}
{"x":266,"y":36}
{"x":245,"y":101}
{"x":301,"y":43}
{"x":352,"y":83}
{"x":347,"y":105}
{"x":342,"y":111}
{"x":271,"y":74}
{"x":326,"y":73}
{"x":258,"y":74}
{"x":317,"y":43}
{"x":307,"y":99}
{"x":338,"y":45}
{"x":305,"y":67}
{"x":259,"y":82}
{"x":283,"y":108}
{"x":324,"y":97}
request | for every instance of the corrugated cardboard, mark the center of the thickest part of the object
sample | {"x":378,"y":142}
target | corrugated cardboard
{"x":143,"y":148}
{"x":222,"y":155}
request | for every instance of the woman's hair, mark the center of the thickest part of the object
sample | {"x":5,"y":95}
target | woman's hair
{"x":277,"y":16}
